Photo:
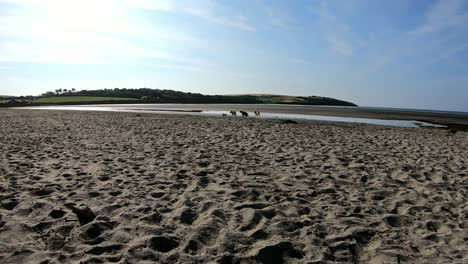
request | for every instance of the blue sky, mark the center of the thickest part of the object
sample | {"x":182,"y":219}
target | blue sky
{"x":399,"y":53}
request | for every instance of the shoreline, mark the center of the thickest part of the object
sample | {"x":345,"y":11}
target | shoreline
{"x":455,"y":121}
{"x":97,"y":187}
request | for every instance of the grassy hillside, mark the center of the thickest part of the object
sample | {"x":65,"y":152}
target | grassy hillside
{"x":301,"y":100}
{"x":80,"y":99}
{"x":147,"y":95}
{"x":279,"y":99}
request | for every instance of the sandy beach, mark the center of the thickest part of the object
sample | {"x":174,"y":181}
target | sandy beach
{"x":110,"y":187}
{"x":456,"y":120}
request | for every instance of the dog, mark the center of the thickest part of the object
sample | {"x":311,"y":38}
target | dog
{"x":233,"y":113}
{"x":244,"y":114}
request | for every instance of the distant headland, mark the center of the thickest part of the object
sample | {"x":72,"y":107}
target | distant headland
{"x":147,"y":95}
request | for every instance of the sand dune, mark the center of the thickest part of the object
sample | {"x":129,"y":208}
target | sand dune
{"x":96,"y":187}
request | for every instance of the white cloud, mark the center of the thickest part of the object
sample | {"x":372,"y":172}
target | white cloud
{"x":205,"y":9}
{"x":439,"y":38}
{"x":277,"y":18}
{"x":181,"y":67}
{"x":447,"y":53}
{"x":340,"y":46}
{"x":101,"y":32}
{"x":22,"y":2}
{"x":84,"y":32}
{"x":339,"y":35}
{"x":239,"y":22}
{"x":12,"y":51}
{"x":444,"y":14}
{"x":161,"y":5}
{"x":96,"y":50}
{"x":303,"y":62}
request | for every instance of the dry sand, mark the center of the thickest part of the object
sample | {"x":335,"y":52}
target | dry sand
{"x":97,"y":187}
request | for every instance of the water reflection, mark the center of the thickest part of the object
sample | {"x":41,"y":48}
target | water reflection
{"x":123,"y":108}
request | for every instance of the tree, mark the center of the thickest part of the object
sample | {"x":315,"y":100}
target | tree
{"x":48,"y":94}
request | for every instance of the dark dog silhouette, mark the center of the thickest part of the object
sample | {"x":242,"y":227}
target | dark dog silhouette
{"x":244,"y":113}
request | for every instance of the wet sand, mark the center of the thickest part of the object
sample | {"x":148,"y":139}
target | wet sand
{"x":444,"y":118}
{"x":457,"y":120}
{"x":100,"y":187}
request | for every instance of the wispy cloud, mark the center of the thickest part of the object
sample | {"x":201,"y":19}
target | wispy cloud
{"x":206,"y":9}
{"x":340,"y":37}
{"x":211,"y":11}
{"x":97,"y":50}
{"x":447,"y":54}
{"x":303,"y":62}
{"x":181,"y":67}
{"x":12,"y":51}
{"x":441,"y":36}
{"x":340,"y":46}
{"x":162,"y":5}
{"x":277,"y":18}
{"x":108,"y":34}
{"x":443,"y":15}
{"x":239,"y":22}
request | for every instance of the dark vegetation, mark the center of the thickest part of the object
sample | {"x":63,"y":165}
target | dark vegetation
{"x":454,"y":128}
{"x":16,"y":100}
{"x":146,"y":95}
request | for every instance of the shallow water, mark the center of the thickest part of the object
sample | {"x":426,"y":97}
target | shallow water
{"x":161,"y":110}
{"x":383,"y":122}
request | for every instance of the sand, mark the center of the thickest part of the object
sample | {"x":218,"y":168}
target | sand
{"x":101,"y":187}
{"x":437,"y":117}
{"x":455,"y":120}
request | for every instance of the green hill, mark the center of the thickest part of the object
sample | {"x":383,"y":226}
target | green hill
{"x":80,"y":99}
{"x":146,"y":95}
